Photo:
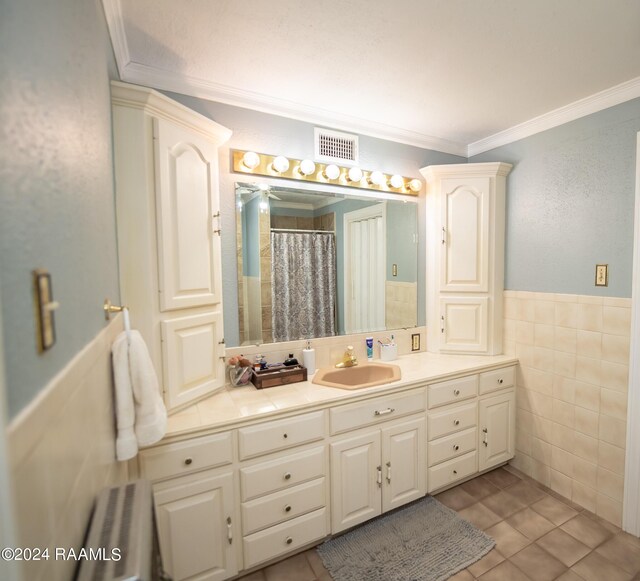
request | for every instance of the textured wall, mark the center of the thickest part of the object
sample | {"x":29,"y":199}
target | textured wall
{"x":570,"y":200}
{"x":56,"y":181}
{"x":272,"y":134}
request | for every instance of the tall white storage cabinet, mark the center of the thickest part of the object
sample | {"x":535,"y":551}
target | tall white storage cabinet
{"x":465,"y":257}
{"x":167,"y":205}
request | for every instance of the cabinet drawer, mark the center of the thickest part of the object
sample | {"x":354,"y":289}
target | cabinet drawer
{"x":452,"y":391}
{"x":498,"y":379}
{"x":184,"y":457}
{"x":283,"y":506}
{"x":459,"y":418}
{"x":282,"y":473}
{"x":285,"y":537}
{"x":281,"y":434}
{"x":451,"y":446}
{"x":453,"y":470}
{"x":352,"y":416}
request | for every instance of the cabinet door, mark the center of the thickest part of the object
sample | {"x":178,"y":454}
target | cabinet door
{"x":356,"y":481}
{"x":196,"y":529}
{"x":187,"y":215}
{"x":465,"y":236}
{"x":497,"y":430}
{"x":464,"y":324}
{"x":403,"y":463}
{"x":192,"y":356}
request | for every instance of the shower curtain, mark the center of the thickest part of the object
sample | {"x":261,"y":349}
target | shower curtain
{"x":303,"y":280}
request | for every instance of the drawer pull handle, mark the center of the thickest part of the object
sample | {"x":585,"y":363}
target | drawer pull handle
{"x":389,"y":472}
{"x":455,"y":471}
{"x":456,"y":392}
{"x":500,"y":381}
{"x":285,"y":436}
{"x":456,"y":447}
{"x":379,"y":476}
{"x":289,"y":540}
{"x":384,"y":412}
{"x":188,"y":461}
{"x":456,"y":422}
{"x":287,"y":475}
{"x":485,"y":440}
{"x":287,"y":508}
{"x":229,"y":530}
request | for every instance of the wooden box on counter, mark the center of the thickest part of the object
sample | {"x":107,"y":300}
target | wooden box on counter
{"x":279,"y":376}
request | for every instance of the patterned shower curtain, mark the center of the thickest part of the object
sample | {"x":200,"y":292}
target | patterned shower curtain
{"x":303,"y":280}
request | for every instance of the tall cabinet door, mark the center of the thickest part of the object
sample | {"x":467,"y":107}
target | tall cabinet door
{"x":356,"y":481}
{"x":196,"y":528}
{"x":497,"y":430}
{"x":465,"y":235}
{"x":403,"y":463}
{"x":193,"y":357}
{"x":187,"y":216}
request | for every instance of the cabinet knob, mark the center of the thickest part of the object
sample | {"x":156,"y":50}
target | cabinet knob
{"x":501,"y":381}
{"x":188,"y":461}
{"x":455,"y":471}
{"x":287,"y":475}
{"x":456,"y":422}
{"x":456,"y":447}
{"x":285,"y":436}
{"x":456,"y":392}
{"x":289,"y":540}
{"x":287,"y":508}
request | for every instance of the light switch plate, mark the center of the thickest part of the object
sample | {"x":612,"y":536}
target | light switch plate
{"x":602,"y":275}
{"x":415,"y":342}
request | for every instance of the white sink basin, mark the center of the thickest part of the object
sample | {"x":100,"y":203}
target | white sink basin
{"x":358,"y":377}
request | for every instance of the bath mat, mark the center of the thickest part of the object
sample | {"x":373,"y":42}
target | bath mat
{"x":423,"y":541}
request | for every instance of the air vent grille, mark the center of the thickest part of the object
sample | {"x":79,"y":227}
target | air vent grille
{"x":336,"y":147}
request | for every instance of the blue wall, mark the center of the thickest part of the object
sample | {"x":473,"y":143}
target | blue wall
{"x":57,"y":181}
{"x":570,"y":204}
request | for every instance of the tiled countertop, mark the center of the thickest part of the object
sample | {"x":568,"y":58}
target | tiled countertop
{"x":234,"y":406}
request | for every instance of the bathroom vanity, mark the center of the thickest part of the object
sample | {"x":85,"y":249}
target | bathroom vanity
{"x":243,"y":488}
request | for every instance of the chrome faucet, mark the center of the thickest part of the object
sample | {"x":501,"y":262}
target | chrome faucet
{"x":348,"y":359}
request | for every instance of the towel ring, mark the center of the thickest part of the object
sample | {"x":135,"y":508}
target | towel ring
{"x":109,"y":308}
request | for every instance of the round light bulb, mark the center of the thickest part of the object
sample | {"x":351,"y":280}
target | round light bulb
{"x":376,"y":178}
{"x":251,"y":159}
{"x":307,"y":167}
{"x":280,"y":164}
{"x":264,"y":205}
{"x":415,"y":185}
{"x":355,"y":174}
{"x":396,"y":181}
{"x":332,"y":172}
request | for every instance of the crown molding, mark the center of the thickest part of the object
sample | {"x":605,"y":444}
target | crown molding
{"x":592,"y":104}
{"x":200,"y":88}
{"x":115,"y":24}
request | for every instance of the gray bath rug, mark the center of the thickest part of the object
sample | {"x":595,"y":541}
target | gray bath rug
{"x":424,"y":541}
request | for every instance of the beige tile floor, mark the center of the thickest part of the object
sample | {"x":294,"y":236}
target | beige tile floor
{"x":539,"y":536}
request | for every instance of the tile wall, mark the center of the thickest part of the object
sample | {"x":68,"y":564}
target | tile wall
{"x":572,"y":393}
{"x":62,"y":454}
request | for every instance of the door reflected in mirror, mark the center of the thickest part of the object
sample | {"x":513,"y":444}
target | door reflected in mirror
{"x":314,"y":264}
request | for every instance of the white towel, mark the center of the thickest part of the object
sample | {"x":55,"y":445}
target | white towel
{"x":141,"y":415}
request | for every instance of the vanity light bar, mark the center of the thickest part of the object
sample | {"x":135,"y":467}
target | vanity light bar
{"x":249,"y":162}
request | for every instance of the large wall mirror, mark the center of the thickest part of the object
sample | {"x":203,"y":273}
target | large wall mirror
{"x":316,"y":264}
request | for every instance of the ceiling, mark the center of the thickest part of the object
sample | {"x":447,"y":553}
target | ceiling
{"x":445,"y":74}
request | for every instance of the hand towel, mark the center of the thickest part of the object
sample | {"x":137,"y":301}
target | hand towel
{"x":141,"y":415}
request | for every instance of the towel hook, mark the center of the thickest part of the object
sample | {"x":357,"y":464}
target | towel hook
{"x":109,"y":308}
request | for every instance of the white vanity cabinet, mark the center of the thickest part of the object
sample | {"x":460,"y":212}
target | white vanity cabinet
{"x":168,"y":220}
{"x":283,"y":486}
{"x":379,"y":468}
{"x":469,"y":431}
{"x":194,"y":490}
{"x":465,"y":256}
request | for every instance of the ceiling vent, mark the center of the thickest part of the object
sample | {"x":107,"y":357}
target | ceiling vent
{"x":336,"y":147}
